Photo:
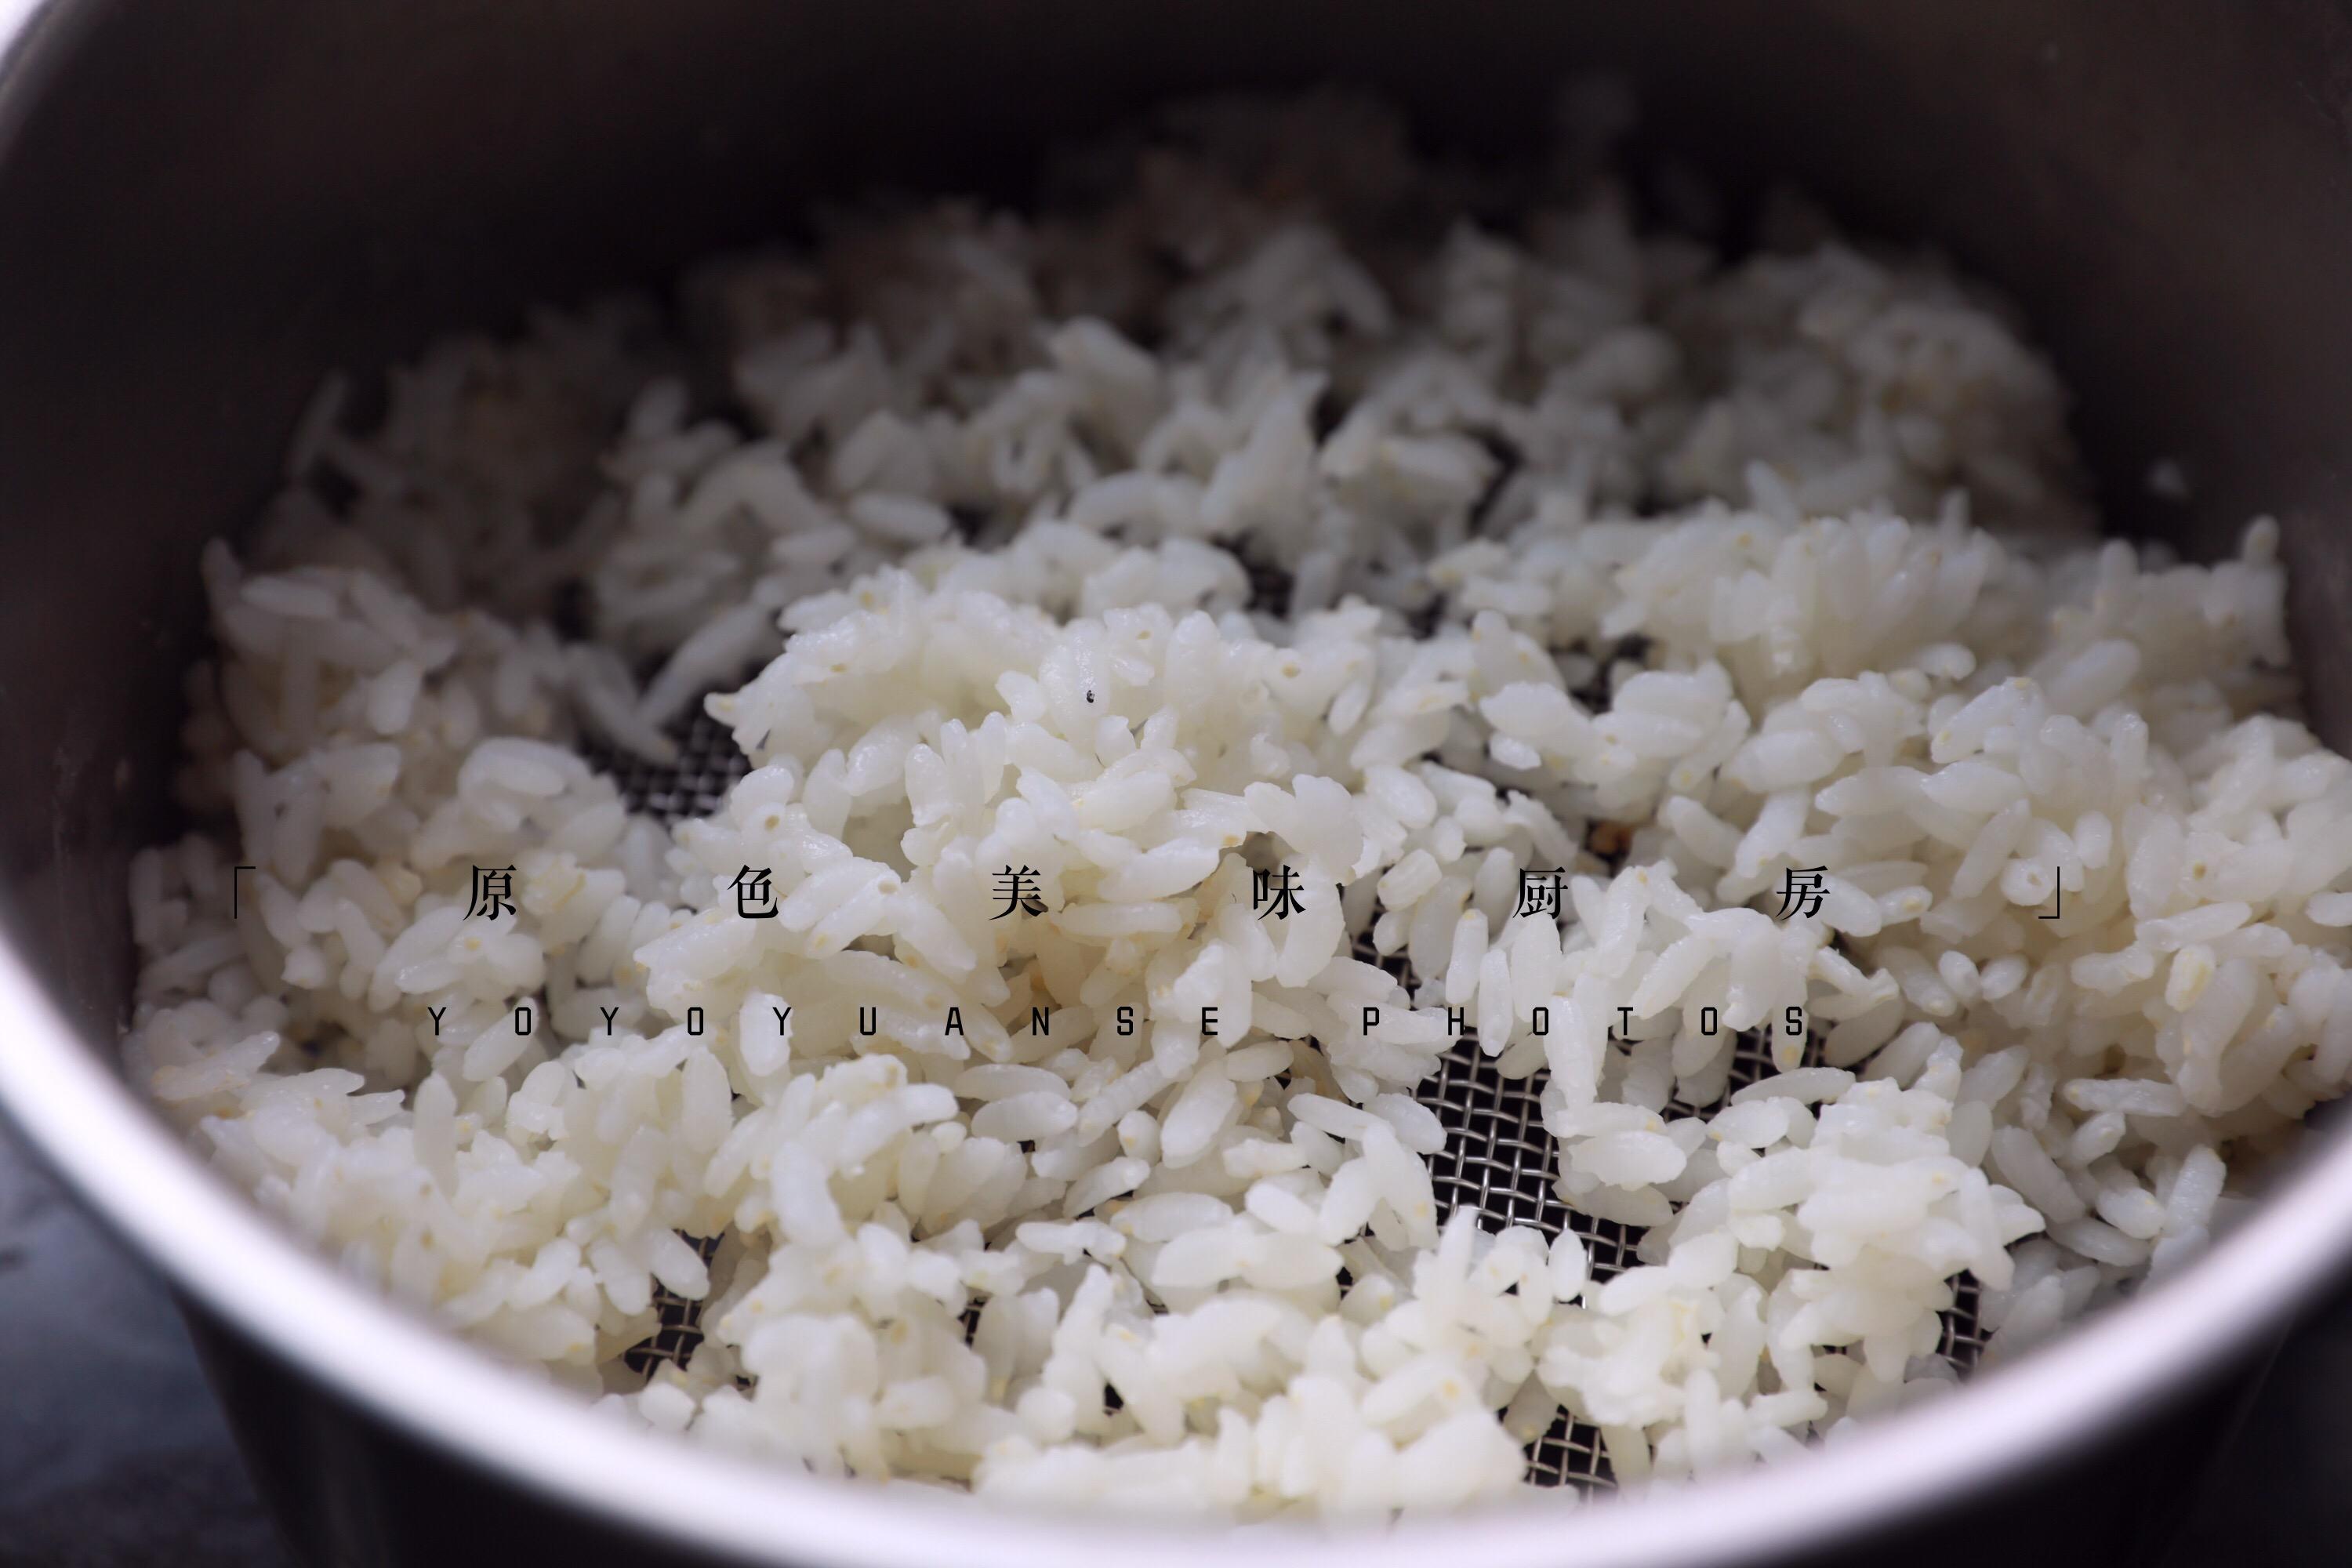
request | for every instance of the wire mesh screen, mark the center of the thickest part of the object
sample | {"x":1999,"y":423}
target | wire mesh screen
{"x":707,"y":766}
{"x":1498,"y":1159}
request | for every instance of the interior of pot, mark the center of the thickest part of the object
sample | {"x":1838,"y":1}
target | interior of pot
{"x":204,"y":205}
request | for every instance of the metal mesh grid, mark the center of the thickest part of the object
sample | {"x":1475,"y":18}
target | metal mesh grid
{"x":1498,"y":1158}
{"x":681,"y":1324}
{"x":707,"y":766}
{"x":708,"y":762}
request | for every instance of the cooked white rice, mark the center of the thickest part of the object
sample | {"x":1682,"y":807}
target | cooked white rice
{"x":1249,"y":521}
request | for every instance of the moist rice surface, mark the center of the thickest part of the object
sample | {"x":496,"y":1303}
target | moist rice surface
{"x":1270,"y":509}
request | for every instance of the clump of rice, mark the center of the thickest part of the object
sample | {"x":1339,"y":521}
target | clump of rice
{"x":1249,"y":521}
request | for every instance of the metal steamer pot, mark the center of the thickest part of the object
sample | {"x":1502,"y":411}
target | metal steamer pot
{"x":205,"y":203}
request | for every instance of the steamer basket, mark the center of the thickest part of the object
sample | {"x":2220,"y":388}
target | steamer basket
{"x":203,"y":203}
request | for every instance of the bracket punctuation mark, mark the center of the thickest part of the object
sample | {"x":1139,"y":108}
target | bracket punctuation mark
{"x":233,"y":888}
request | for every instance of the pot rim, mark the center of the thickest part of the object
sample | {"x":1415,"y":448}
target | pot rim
{"x":122,"y":1159}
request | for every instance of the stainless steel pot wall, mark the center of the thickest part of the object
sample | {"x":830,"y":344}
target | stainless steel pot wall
{"x":203,"y":203}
